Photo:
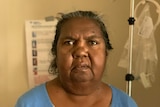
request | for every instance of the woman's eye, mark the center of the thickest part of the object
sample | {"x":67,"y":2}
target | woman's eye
{"x":93,"y":42}
{"x":69,"y":42}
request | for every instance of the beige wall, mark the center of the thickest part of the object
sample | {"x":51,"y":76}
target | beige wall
{"x":13,"y":70}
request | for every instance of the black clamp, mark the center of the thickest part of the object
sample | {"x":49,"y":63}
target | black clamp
{"x":129,"y":77}
{"x":131,"y":21}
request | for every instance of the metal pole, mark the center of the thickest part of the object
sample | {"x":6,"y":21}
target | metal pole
{"x":129,"y":76}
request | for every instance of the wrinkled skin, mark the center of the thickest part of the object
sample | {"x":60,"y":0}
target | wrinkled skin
{"x":81,"y":56}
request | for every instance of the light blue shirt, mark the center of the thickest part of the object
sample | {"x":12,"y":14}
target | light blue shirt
{"x":38,"y":97}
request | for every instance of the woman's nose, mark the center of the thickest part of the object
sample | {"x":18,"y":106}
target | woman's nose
{"x":80,"y":50}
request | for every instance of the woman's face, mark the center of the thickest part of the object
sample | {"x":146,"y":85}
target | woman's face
{"x":81,"y":52}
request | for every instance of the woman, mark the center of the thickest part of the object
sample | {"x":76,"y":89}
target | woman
{"x":80,"y":48}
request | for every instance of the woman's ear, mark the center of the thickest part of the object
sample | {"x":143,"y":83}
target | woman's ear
{"x":56,"y":61}
{"x":106,"y":53}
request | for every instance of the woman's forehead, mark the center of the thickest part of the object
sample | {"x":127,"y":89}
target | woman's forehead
{"x":80,"y":20}
{"x":81,"y":24}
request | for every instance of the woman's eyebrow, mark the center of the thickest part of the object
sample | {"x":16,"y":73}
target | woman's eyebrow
{"x":68,"y":37}
{"x":94,"y":37}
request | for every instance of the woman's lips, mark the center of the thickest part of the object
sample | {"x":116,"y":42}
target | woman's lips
{"x":80,"y":67}
{"x":81,"y":73}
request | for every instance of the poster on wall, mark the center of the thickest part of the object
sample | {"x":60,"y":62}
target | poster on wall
{"x":39,"y":36}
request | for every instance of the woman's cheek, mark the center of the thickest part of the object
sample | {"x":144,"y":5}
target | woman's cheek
{"x":99,"y":60}
{"x":64,"y":60}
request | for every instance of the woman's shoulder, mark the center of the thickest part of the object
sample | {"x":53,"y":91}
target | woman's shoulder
{"x":34,"y":92}
{"x":36,"y":95}
{"x":121,"y":99}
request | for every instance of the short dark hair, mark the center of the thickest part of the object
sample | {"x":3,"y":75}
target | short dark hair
{"x":65,"y":17}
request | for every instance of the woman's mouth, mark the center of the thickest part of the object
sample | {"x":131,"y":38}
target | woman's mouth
{"x":80,"y":68}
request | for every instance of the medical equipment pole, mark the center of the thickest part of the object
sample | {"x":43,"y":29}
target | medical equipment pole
{"x":129,"y":77}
